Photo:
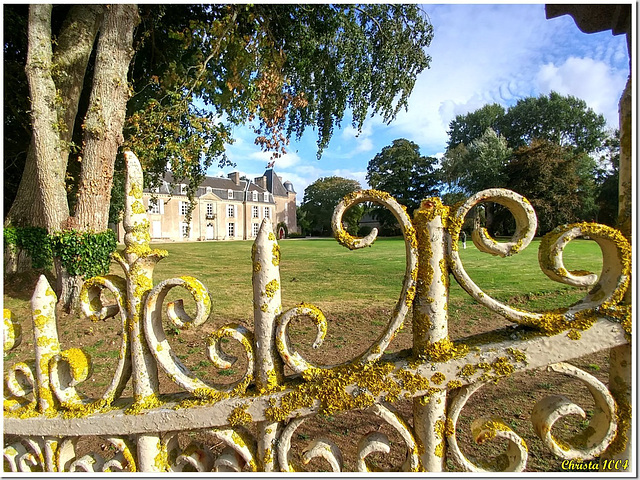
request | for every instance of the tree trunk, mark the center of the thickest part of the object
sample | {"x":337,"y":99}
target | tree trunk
{"x":45,"y":141}
{"x":105,"y":118}
{"x":71,"y":57}
{"x":55,"y":85}
{"x":102,"y":133}
{"x":74,"y":46}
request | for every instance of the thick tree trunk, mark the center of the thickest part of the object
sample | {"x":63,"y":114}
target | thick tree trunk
{"x":74,"y":46}
{"x":55,"y":85}
{"x":71,"y":57}
{"x":45,"y":141}
{"x":105,"y":118}
{"x":102,"y":132}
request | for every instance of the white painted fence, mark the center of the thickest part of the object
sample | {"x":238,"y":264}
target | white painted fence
{"x":44,"y":409}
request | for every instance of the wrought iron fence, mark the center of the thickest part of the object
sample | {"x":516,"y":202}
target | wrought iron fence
{"x":45,"y":410}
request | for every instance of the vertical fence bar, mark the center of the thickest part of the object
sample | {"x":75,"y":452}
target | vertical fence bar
{"x":269,"y":369}
{"x":430,"y":329}
{"x":140,"y":262}
{"x":620,"y":358}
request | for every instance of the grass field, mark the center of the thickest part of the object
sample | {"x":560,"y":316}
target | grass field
{"x":357,"y":291}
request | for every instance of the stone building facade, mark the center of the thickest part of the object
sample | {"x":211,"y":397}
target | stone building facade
{"x":229,"y":208}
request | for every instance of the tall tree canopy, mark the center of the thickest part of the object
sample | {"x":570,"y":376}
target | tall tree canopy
{"x":467,"y":128}
{"x":563,"y":120}
{"x":558,"y":181}
{"x":321,"y":198}
{"x":479,"y":166}
{"x":197,"y":71}
{"x":400,"y":170}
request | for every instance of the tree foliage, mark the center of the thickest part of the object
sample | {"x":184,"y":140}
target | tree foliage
{"x":607,"y":180}
{"x":479,"y":166}
{"x":467,"y":128}
{"x":400,"y":170}
{"x":198,"y":70}
{"x":321,"y":198}
{"x":557,"y":180}
{"x":563,"y":120}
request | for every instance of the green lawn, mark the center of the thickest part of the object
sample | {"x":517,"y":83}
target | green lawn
{"x":322,"y":272}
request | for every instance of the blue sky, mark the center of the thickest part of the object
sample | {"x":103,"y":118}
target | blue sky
{"x":480,"y":54}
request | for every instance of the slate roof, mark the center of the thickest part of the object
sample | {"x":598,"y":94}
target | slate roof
{"x":219,"y":186}
{"x":274,"y":185}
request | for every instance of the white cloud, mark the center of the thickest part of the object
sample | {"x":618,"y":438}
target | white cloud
{"x":362,"y":140}
{"x":492,"y":54}
{"x":590,"y":80}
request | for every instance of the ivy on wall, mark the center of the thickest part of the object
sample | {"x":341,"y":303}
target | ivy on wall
{"x":81,"y":253}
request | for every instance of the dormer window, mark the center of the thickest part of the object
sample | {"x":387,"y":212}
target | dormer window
{"x":208,"y":189}
{"x":255,"y":196}
{"x":266,"y":196}
{"x":183,"y":189}
{"x":230,"y":194}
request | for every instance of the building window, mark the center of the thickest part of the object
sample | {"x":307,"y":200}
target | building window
{"x":154,"y":205}
{"x":267,"y":212}
{"x":229,"y":194}
{"x":209,"y":210}
{"x":255,"y":211}
{"x":266,"y":196}
{"x":184,"y":208}
{"x":231,"y":228}
{"x":231,"y":211}
{"x":256,"y":229}
{"x":255,"y":196}
{"x":185,"y":229}
{"x":183,"y":189}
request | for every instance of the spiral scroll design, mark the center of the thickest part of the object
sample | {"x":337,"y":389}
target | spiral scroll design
{"x":161,"y":348}
{"x":407,"y":295}
{"x":483,"y":429}
{"x":21,"y":384}
{"x":59,"y":455}
{"x":610,"y":286}
{"x":605,"y":294}
{"x":602,"y":426}
{"x":325,"y":448}
{"x":92,"y":307}
{"x":288,"y":353}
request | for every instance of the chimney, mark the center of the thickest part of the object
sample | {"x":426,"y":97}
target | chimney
{"x":261,"y":181}
{"x":235,"y":176}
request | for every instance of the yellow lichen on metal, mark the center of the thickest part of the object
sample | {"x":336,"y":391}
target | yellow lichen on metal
{"x":239,"y":416}
{"x":271,"y":288}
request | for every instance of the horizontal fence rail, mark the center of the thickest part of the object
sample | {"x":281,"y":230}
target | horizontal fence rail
{"x":48,"y":413}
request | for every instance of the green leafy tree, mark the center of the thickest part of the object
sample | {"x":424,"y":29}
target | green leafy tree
{"x":303,"y":222}
{"x":467,"y":128}
{"x":563,"y":120}
{"x":171,"y":81}
{"x":479,"y":166}
{"x":558,"y":181}
{"x":400,"y":170}
{"x":321,"y":198}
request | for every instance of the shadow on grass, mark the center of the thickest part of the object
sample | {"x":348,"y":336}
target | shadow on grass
{"x":20,"y":286}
